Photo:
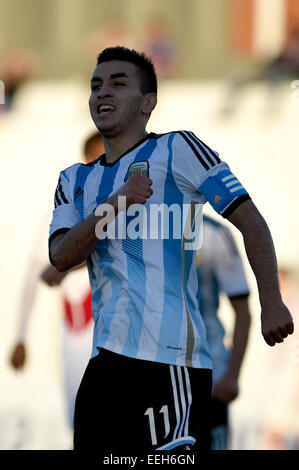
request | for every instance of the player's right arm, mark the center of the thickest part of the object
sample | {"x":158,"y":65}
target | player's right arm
{"x":69,"y":249}
{"x":72,"y":241}
{"x":51,"y":276}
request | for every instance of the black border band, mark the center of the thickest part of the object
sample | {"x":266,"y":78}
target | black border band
{"x":237,"y":202}
{"x":239,"y":296}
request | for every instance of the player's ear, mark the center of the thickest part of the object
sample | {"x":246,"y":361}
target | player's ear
{"x":149,"y":103}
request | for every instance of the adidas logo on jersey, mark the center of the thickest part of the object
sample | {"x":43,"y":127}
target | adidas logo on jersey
{"x":78,"y":192}
{"x":217,"y":199}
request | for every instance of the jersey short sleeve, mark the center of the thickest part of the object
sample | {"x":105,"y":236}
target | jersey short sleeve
{"x":228,"y":265}
{"x":199,"y":172}
{"x":65,"y":214}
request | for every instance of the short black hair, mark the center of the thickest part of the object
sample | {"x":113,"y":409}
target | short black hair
{"x":147,"y":74}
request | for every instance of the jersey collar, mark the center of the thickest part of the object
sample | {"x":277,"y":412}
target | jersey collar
{"x":102,"y":158}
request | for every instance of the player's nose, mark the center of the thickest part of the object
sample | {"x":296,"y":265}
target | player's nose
{"x":104,"y":91}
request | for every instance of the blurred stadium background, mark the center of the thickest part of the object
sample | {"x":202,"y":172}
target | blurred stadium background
{"x":228,"y":71}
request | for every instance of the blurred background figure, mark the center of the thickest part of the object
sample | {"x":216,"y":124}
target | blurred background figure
{"x":112,"y":33}
{"x":284,"y":67}
{"x":17,"y":66}
{"x":281,"y":400}
{"x":160,"y":45}
{"x":266,"y":52}
{"x":220,"y":270}
{"x":76,"y":304}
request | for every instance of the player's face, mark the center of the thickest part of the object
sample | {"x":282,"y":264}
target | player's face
{"x":116,"y":102}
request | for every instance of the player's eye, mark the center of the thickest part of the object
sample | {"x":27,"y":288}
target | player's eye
{"x":119,"y":84}
{"x":95,"y":87}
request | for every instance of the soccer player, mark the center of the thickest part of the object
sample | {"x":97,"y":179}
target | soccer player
{"x":149,"y":377}
{"x":76,"y":303}
{"x":220,"y":269}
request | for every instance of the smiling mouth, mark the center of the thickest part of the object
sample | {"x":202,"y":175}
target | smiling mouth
{"x":105,"y":109}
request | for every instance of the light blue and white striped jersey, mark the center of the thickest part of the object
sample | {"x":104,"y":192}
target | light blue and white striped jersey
{"x":144,"y":290}
{"x":219,"y":269}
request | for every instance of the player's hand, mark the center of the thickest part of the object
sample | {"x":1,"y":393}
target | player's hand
{"x":18,"y":356}
{"x":226,"y":389}
{"x":137,"y":190}
{"x":276,"y":322}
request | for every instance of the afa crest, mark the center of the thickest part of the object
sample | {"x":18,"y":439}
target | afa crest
{"x":137,"y":168}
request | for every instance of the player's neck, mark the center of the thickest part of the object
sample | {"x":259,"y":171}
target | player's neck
{"x":118,"y":145}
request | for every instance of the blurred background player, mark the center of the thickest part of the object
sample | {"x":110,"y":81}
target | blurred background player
{"x":280,"y":424}
{"x":283,"y":67}
{"x":160,"y":44}
{"x":220,"y":269}
{"x":17,"y":66}
{"x":76,"y":300}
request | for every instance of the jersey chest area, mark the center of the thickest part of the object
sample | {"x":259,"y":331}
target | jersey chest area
{"x":107,"y":180}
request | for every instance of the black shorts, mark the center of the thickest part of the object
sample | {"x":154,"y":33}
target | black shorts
{"x":132,"y":405}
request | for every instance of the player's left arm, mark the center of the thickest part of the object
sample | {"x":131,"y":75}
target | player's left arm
{"x":227,"y":388}
{"x":230,"y":273}
{"x":202,"y":173}
{"x":276,"y":320}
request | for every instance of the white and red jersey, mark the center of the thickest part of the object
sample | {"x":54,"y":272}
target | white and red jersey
{"x":76,"y":310}
{"x":76,"y":298}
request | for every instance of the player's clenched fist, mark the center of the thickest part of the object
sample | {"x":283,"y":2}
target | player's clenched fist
{"x":136,"y":190}
{"x":277,"y":323}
